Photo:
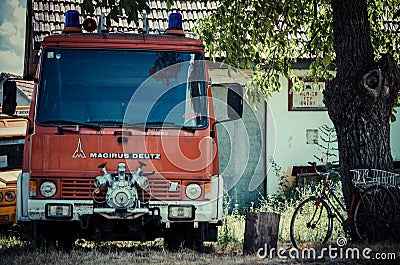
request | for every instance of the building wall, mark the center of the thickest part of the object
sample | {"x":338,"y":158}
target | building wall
{"x":271,"y":134}
{"x":240,"y":142}
{"x":395,"y":138}
{"x":287,"y":133}
{"x":241,"y":152}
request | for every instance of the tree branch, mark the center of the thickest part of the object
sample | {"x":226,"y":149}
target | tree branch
{"x":391,"y":76}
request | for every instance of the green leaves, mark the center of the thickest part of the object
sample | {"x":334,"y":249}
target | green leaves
{"x":268,"y":37}
{"x":271,"y":36}
{"x":169,"y":3}
{"x":117,"y":8}
{"x":87,"y":7}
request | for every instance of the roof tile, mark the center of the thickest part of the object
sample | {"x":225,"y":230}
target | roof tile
{"x":48,"y":16}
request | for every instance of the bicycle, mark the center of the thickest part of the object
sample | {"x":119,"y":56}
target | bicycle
{"x":392,"y":182}
{"x":369,"y":218}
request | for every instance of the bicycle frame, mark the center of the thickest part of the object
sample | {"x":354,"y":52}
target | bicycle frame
{"x":328,"y":192}
{"x":361,"y":220}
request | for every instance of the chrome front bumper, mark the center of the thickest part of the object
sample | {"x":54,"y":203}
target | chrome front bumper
{"x":37,"y":210}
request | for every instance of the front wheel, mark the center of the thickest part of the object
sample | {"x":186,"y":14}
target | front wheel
{"x":185,"y":236}
{"x":374,"y":214}
{"x":311,"y":223}
{"x":59,"y":235}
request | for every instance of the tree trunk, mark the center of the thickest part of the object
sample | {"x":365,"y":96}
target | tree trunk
{"x":360,"y":98}
{"x":261,"y":232}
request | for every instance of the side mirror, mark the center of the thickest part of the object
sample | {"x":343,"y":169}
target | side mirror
{"x":9,"y":97}
{"x":235,"y":101}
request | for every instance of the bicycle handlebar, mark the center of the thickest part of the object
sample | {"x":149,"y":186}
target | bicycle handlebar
{"x":324,"y":174}
{"x":315,"y":167}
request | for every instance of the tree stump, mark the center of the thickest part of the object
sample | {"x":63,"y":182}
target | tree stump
{"x":261,"y":231}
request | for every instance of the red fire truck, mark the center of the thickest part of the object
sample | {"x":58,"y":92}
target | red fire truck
{"x":121,"y":141}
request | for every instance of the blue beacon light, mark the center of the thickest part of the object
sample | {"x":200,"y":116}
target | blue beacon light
{"x":72,"y":24}
{"x":175,"y":21}
{"x":72,"y":18}
{"x":175,"y":25}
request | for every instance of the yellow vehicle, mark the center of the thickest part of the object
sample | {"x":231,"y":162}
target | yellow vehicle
{"x":8,"y":186}
{"x":12,"y":133}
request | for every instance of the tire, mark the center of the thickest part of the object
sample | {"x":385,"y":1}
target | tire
{"x":396,"y":228}
{"x":311,"y":222}
{"x":6,"y":230}
{"x":185,"y":236}
{"x":56,"y":235}
{"x":173,"y":240}
{"x":374,"y":214}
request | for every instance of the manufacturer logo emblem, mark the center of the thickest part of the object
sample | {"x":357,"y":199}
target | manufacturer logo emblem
{"x":79,"y":151}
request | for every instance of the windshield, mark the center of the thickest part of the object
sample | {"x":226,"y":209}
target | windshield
{"x":112,"y":88}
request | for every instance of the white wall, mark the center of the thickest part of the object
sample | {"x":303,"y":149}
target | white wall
{"x":286,"y":133}
{"x":395,"y":138}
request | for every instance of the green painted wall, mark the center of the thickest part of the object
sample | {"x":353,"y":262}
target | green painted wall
{"x":241,"y":151}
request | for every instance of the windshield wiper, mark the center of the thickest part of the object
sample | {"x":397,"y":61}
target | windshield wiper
{"x":158,"y":124}
{"x":108,"y":123}
{"x":152,"y":123}
{"x":61,"y":123}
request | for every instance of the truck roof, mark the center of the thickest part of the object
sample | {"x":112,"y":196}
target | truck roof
{"x":124,"y":40}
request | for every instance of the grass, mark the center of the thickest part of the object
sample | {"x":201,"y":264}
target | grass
{"x":13,"y":251}
{"x":227,"y":250}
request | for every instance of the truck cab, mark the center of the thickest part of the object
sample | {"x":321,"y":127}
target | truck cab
{"x":121,"y":143}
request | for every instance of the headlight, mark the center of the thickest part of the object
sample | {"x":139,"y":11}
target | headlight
{"x":59,"y":211}
{"x":48,"y":189}
{"x":193,"y":191}
{"x":1,"y":196}
{"x":9,"y":196}
{"x":181,"y":212}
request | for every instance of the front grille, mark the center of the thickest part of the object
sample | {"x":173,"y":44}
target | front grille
{"x":158,"y":190}
{"x":80,"y":188}
{"x":76,"y":188}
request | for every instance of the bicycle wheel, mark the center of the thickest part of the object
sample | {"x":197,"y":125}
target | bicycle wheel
{"x":311,"y":223}
{"x":396,"y":228}
{"x":374,"y":214}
